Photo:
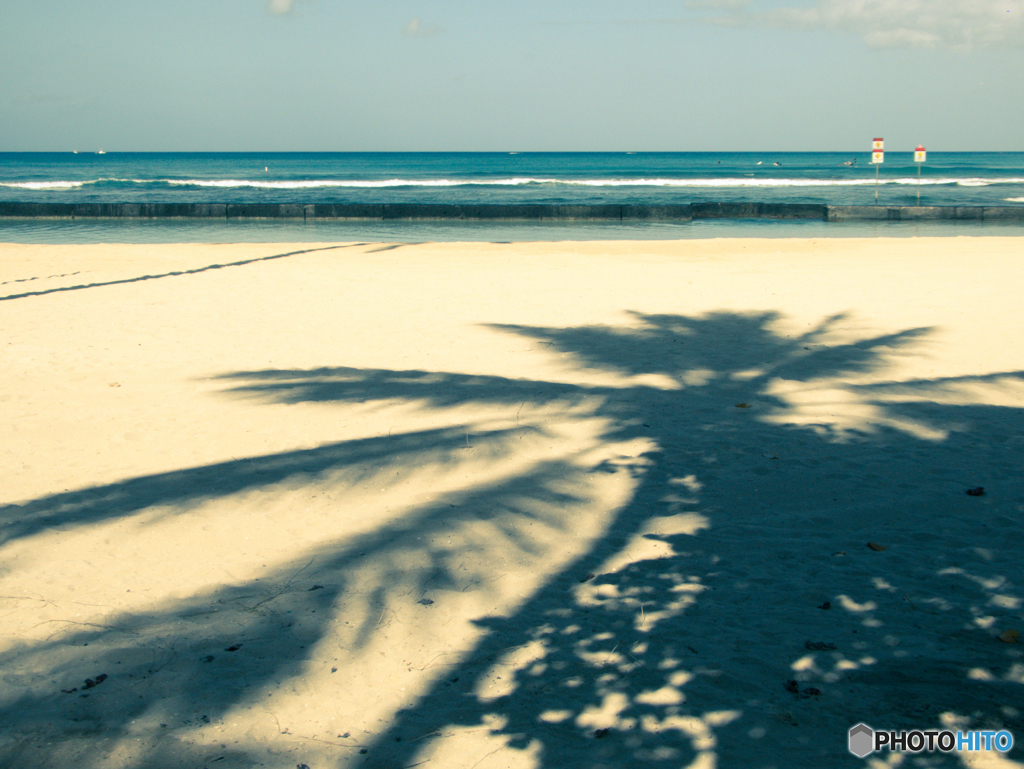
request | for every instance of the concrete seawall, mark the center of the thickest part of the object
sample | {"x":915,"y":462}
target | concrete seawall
{"x":359,"y":211}
{"x":683,"y":212}
{"x":918,"y":213}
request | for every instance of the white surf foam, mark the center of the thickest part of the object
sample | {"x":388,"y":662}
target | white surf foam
{"x":369,"y":183}
{"x":44,"y":185}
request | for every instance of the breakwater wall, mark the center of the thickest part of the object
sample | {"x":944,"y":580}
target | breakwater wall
{"x":525,"y":212}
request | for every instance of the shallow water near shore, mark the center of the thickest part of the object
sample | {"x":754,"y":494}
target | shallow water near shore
{"x":85,"y":231}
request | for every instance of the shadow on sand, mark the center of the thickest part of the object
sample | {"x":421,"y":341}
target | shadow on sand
{"x":760,"y":630}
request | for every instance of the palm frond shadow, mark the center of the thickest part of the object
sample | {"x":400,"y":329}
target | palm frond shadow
{"x":616,"y":659}
{"x":191,"y":487}
{"x":188,"y":663}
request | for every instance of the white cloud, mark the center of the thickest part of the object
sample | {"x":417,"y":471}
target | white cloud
{"x":280,"y":7}
{"x":417,"y":28}
{"x":960,"y":24}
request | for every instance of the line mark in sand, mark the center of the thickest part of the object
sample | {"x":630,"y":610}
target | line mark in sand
{"x":84,"y":624}
{"x":176,"y":273}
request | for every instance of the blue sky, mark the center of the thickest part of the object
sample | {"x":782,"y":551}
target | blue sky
{"x":397,"y":75}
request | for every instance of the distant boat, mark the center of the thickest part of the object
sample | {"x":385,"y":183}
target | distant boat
{"x":102,"y":152}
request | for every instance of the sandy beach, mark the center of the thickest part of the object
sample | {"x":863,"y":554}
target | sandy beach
{"x":564,"y":505}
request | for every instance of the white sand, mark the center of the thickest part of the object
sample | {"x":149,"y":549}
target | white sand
{"x":381,"y":475}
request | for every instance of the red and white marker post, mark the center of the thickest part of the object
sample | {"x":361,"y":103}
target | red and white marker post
{"x":919,"y":156}
{"x":877,"y":157}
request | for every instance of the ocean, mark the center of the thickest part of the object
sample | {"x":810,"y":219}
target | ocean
{"x":645,"y":178}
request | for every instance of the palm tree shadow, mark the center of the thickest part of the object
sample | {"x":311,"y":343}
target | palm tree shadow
{"x":628,"y":668}
{"x":677,"y":636}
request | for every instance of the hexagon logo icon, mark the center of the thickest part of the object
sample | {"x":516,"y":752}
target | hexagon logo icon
{"x":862,"y":740}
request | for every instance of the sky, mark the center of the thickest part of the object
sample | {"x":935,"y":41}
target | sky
{"x":479,"y":75}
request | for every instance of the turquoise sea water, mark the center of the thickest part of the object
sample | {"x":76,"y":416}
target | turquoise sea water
{"x":837,"y":178}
